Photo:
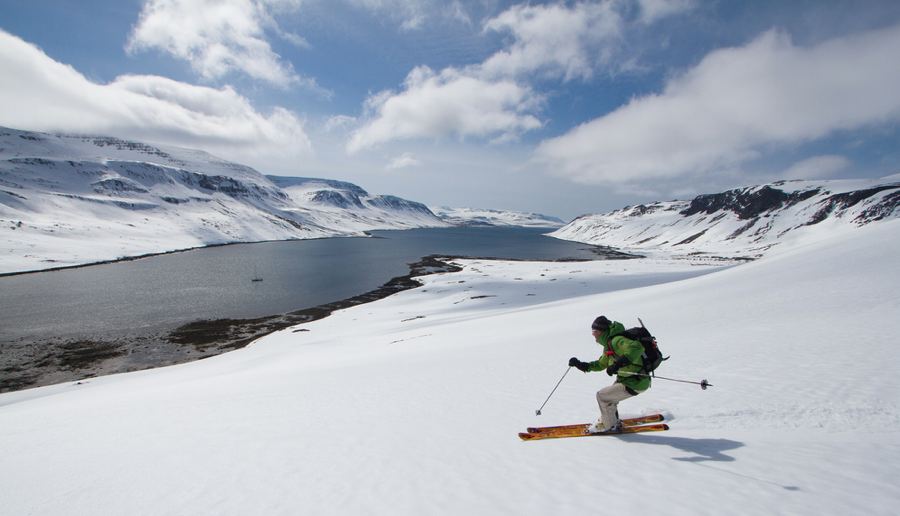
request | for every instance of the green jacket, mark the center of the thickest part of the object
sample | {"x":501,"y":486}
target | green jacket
{"x":615,"y":346}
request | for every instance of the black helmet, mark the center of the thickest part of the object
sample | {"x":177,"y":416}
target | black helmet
{"x":601,"y":323}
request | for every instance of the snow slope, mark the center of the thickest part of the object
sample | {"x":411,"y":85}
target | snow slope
{"x":411,"y":404}
{"x":745,"y":222}
{"x":69,"y":200}
{"x":484,"y":217}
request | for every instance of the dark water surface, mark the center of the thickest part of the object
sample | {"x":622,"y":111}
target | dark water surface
{"x":159,"y":292}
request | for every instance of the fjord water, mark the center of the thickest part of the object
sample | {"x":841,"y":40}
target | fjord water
{"x":164,"y":291}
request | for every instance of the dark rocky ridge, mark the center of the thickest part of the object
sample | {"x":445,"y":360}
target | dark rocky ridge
{"x":751,"y":203}
{"x":337,"y":199}
{"x":747,"y":203}
{"x":839,"y":202}
{"x":391,"y":202}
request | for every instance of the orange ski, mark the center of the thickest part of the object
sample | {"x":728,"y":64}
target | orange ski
{"x":633,"y":421}
{"x":578,"y":432}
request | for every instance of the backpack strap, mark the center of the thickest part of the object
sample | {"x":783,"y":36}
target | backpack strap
{"x":608,"y":348}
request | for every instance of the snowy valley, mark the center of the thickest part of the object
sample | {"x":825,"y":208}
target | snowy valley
{"x":411,"y":404}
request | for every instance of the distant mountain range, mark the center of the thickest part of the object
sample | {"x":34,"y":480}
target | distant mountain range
{"x":744,"y":222}
{"x":72,"y":199}
{"x":346,"y":207}
{"x":481,"y":217}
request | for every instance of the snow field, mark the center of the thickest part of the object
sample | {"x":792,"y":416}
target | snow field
{"x":411,"y":404}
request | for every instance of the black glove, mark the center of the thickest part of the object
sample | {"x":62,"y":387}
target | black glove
{"x":578,"y":364}
{"x":618,"y":364}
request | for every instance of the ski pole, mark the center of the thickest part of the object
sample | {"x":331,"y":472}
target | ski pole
{"x":702,"y":383}
{"x":538,"y":411}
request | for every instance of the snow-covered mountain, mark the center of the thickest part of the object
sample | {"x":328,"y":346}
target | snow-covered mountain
{"x":484,"y":217}
{"x":744,"y":222}
{"x":340,"y":204}
{"x":69,"y":200}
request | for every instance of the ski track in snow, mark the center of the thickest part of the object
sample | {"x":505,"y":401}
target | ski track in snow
{"x":411,"y":404}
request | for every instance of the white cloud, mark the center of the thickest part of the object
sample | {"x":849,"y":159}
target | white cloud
{"x":734,"y":104}
{"x":338,"y":123}
{"x":409,"y":13}
{"x":573,"y":41}
{"x":413,"y":23}
{"x":555,"y":39}
{"x":494,"y":99}
{"x":218,"y":37}
{"x":652,"y":11}
{"x":485,"y":100}
{"x":38,"y":93}
{"x":818,"y":167}
{"x":449,"y":103}
{"x":404,"y":160}
{"x":414,"y":15}
{"x":456,"y":11}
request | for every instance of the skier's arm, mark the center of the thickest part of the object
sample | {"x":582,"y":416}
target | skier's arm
{"x":599,"y":365}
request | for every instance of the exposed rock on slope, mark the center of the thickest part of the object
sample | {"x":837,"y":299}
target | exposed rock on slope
{"x":744,"y":222}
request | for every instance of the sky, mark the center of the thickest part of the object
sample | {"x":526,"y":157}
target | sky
{"x":563,"y":107}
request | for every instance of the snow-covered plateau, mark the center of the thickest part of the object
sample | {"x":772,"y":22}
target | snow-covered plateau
{"x":411,"y":404}
{"x":741,"y":223}
{"x":69,"y":200}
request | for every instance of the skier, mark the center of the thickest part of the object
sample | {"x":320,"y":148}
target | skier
{"x":620,"y":355}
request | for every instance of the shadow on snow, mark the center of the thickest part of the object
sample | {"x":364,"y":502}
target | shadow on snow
{"x":703,"y":450}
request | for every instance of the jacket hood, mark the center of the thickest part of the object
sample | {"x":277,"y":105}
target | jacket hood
{"x":615,"y":328}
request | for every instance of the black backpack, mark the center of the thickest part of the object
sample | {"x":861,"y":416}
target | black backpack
{"x":652,"y":355}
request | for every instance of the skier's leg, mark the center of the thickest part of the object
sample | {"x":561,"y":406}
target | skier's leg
{"x":608,"y":398}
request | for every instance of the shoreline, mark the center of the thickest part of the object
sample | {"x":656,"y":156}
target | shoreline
{"x":81,"y":359}
{"x":52,"y":360}
{"x":363,"y":234}
{"x":166,"y":253}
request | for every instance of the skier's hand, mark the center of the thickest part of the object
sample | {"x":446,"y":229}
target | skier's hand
{"x":618,"y":364}
{"x":578,"y":364}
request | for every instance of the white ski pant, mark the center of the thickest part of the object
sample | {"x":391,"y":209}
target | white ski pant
{"x":608,"y":398}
